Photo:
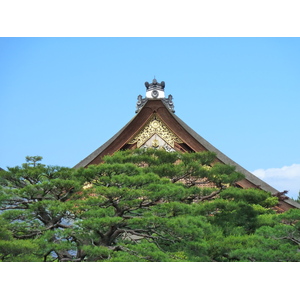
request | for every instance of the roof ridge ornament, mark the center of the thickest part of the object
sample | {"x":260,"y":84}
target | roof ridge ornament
{"x":155,"y":85}
{"x":155,"y":91}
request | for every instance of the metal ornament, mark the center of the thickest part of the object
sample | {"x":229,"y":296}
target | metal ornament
{"x":155,"y":127}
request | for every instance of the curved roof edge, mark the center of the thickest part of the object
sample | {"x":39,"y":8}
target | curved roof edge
{"x":99,"y":150}
{"x":226,"y":160}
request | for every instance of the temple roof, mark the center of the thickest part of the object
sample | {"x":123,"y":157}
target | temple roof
{"x":156,"y":109}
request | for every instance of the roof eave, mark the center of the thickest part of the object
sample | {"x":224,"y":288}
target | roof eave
{"x":99,"y":150}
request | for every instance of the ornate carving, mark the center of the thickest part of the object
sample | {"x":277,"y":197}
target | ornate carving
{"x":155,"y":143}
{"x":169,"y":103}
{"x":140,"y":103}
{"x":155,"y":126}
{"x":168,"y":148}
{"x":155,"y":87}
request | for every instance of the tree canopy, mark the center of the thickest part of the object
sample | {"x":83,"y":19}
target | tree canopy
{"x":141,"y":206}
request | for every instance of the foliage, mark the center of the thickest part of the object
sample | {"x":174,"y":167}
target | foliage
{"x":143,"y":206}
{"x":298,"y":198}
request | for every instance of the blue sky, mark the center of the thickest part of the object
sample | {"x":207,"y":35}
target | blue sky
{"x":62,"y":98}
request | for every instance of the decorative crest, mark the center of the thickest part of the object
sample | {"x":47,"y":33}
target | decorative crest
{"x":155,"y":85}
{"x":155,"y":91}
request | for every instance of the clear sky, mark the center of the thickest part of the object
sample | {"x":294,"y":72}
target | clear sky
{"x":62,"y":98}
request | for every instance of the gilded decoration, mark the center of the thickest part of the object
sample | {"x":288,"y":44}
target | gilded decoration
{"x":158,"y":128}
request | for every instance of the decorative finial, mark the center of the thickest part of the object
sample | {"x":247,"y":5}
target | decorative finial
{"x":155,"y":91}
{"x":154,"y":85}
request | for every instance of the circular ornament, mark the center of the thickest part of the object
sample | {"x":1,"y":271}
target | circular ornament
{"x":154,"y":93}
{"x":155,"y":124}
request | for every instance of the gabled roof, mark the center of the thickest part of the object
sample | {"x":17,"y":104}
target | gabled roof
{"x":192,"y":139}
{"x":163,"y":109}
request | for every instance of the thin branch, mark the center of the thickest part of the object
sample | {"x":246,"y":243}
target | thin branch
{"x":181,"y":177}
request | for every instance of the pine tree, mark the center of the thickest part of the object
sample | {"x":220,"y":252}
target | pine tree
{"x":142,"y":205}
{"x":34,"y":201}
